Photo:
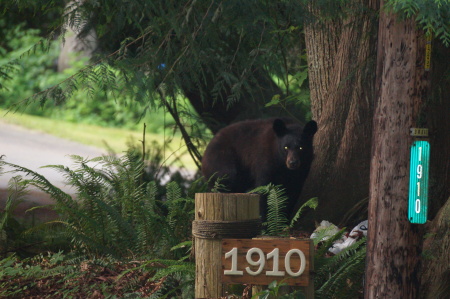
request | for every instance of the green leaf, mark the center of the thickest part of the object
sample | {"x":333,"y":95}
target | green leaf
{"x":275,"y":101}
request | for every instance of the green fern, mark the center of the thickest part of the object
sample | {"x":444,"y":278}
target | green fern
{"x":218,"y":186}
{"x":10,"y":229}
{"x":117,"y":215}
{"x":178,"y":279}
{"x":116,"y":212}
{"x":311,"y":203}
{"x":174,"y":276}
{"x":339,"y":276}
{"x":277,"y":221}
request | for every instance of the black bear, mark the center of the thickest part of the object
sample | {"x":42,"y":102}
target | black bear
{"x":254,"y":153}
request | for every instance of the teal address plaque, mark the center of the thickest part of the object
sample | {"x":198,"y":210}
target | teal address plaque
{"x":418,"y":182}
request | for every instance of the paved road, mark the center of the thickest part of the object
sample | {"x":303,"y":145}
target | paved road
{"x":32,"y":149}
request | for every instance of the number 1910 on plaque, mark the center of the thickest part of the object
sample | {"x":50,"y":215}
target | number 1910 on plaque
{"x":418,"y":182}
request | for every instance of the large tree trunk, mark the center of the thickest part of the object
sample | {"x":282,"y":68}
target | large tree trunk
{"x":435,"y":115}
{"x":436,"y":272}
{"x":342,"y":96}
{"x":341,"y":56}
{"x":436,"y":260}
{"x":394,"y":244}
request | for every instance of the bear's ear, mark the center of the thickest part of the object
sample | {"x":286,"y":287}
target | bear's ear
{"x":310,"y":129}
{"x":279,"y":127}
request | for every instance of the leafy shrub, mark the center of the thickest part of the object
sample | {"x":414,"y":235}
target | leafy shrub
{"x":121,"y":226}
{"x":25,"y":238}
{"x":28,"y":66}
{"x":341,"y":275}
{"x":278,"y":223}
{"x":338,"y":276}
{"x":22,"y":74}
{"x":118,"y":222}
{"x":116,"y":212}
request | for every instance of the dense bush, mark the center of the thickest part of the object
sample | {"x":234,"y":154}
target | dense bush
{"x":118,"y":209}
{"x":28,"y":66}
{"x":127,"y":219}
{"x":128,"y":233}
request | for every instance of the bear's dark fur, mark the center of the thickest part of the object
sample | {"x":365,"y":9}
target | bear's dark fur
{"x":255,"y":153}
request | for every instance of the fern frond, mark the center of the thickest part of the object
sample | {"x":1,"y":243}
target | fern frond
{"x":116,"y":212}
{"x":277,"y":220}
{"x":41,"y":183}
{"x":276,"y":217}
{"x":323,"y":235}
{"x":311,"y":203}
{"x":9,"y":227}
{"x":345,"y":280}
{"x":331,"y":264}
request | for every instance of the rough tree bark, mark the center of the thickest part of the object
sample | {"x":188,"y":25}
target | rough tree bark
{"x":435,"y":115}
{"x":436,"y":261}
{"x":341,"y":58}
{"x":394,"y":244}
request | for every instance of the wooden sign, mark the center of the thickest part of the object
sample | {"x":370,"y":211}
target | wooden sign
{"x":261,"y":261}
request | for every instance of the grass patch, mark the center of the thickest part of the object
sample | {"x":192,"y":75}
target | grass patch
{"x":117,"y":140}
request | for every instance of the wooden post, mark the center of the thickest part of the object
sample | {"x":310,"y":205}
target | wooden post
{"x":214,"y":208}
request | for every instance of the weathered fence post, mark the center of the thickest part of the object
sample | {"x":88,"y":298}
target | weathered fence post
{"x":219,"y":216}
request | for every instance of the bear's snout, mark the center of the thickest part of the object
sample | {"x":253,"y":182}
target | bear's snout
{"x":293,"y":164}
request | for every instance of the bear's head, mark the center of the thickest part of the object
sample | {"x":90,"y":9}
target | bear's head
{"x":295,"y":142}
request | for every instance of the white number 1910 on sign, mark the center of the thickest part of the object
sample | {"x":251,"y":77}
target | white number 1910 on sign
{"x":418,"y":182}
{"x":261,"y":261}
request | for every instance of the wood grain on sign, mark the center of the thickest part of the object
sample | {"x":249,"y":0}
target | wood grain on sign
{"x":267,"y":246}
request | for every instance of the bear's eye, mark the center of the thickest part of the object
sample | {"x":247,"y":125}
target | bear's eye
{"x":300,"y":148}
{"x":286,"y":148}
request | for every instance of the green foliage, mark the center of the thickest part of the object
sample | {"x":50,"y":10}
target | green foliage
{"x":338,"y":276}
{"x":276,"y":202}
{"x":27,"y":270}
{"x":214,"y":49}
{"x":433,"y":16}
{"x":273,"y":291}
{"x":10,"y":228}
{"x":23,"y":68}
{"x":116,"y":212}
{"x":53,"y":275}
{"x":121,"y":215}
{"x":312,"y":203}
{"x":297,"y":92}
{"x":28,"y":68}
{"x":19,"y":236}
{"x":277,"y":220}
{"x":341,"y":275}
{"x":154,"y":54}
{"x":218,"y":186}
